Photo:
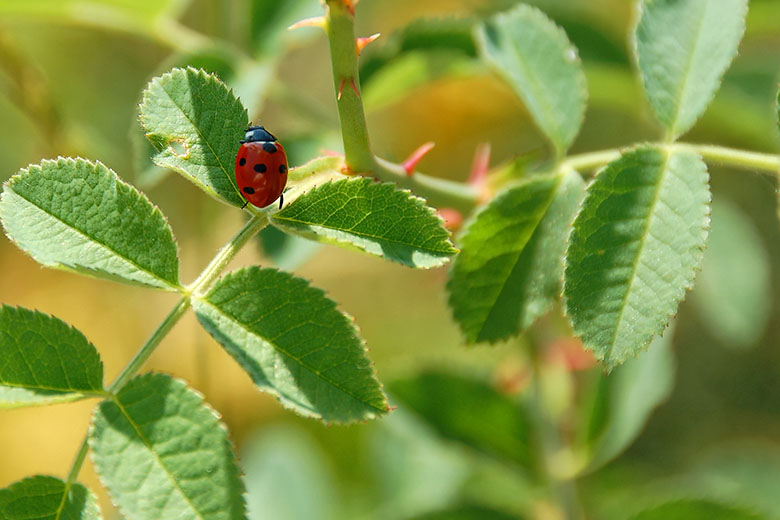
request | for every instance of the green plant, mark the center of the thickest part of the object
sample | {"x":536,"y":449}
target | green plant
{"x":621,"y":252}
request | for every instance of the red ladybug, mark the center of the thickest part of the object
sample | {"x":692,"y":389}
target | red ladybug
{"x":261,"y":168}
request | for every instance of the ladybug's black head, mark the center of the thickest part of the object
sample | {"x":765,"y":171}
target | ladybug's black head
{"x":258,"y":133}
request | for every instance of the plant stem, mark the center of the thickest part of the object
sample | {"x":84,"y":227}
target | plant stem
{"x":226,"y":254}
{"x":340,"y":26}
{"x":563,"y":488}
{"x":764,"y":162}
{"x":206,"y":278}
{"x":151,"y":344}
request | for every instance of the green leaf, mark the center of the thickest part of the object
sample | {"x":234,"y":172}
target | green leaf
{"x":44,"y":360}
{"x":294,"y":343}
{"x":510,"y":266}
{"x":77,"y":215}
{"x":195,"y":123}
{"x":163,"y":453}
{"x":471,"y":412}
{"x":683,"y":48}
{"x":542,"y":66}
{"x":47,"y":498}
{"x":634,"y":249}
{"x":696,"y":509}
{"x":621,"y":403}
{"x":733,"y":291}
{"x":373,"y":217}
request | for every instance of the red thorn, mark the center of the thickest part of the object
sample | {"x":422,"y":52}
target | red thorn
{"x":354,"y":87}
{"x":480,"y":165}
{"x":341,"y":89}
{"x":453,"y":218}
{"x":314,"y":21}
{"x":360,"y":43}
{"x":346,"y":170}
{"x":330,"y":153}
{"x":410,"y":164}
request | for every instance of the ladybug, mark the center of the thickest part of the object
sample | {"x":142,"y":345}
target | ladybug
{"x":261,"y":168}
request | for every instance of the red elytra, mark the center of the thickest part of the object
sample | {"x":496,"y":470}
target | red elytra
{"x":261,"y":168}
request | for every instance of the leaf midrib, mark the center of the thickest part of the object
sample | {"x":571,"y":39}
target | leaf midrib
{"x":519,"y":252}
{"x":686,"y":77}
{"x":284,"y":352}
{"x":642,"y":243}
{"x":94,"y":240}
{"x":150,"y":447}
{"x":203,"y":139}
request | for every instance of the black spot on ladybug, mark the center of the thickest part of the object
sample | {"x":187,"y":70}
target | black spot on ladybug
{"x":269,"y":147}
{"x":249,"y":190}
{"x":242,"y":161}
{"x":282,"y":168}
{"x":260,"y":168}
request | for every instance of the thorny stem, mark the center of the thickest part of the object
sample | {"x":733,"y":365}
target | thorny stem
{"x":257,"y":222}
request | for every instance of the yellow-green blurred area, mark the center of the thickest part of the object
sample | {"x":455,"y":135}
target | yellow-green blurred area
{"x":71,"y":75}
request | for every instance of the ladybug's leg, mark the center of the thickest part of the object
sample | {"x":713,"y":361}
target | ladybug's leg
{"x":245,"y":203}
{"x":281,"y":200}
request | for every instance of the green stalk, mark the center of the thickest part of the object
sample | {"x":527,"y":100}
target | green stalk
{"x":340,"y":26}
{"x":203,"y":282}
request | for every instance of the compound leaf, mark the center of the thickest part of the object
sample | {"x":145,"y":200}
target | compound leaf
{"x":683,"y":48}
{"x":163,"y":453}
{"x":43,"y":360}
{"x":47,"y":498}
{"x":195,"y":123}
{"x":634,"y":249}
{"x":294,"y":343}
{"x":373,"y":217}
{"x":78,"y":215}
{"x":499,"y":287}
{"x":542,"y":66}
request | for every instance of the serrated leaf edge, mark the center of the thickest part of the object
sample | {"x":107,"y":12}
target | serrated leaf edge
{"x":209,"y":78}
{"x":421,"y":203}
{"x":686,"y":287}
{"x":60,"y":161}
{"x":355,"y":329}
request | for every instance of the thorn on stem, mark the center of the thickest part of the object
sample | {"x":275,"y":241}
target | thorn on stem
{"x":341,"y":89}
{"x":480,"y":165}
{"x":314,"y":21}
{"x":410,"y":164}
{"x":360,"y":43}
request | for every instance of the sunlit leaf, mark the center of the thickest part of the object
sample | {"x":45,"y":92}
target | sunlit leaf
{"x":195,"y":123}
{"x":696,"y":509}
{"x":542,"y":66}
{"x":634,"y":249}
{"x":163,"y":453}
{"x":472,"y":412}
{"x":373,"y":217}
{"x":498,"y":287}
{"x":44,"y":360}
{"x":621,"y":402}
{"x":733,"y":290}
{"x":683,"y":48}
{"x":294,"y":343}
{"x":78,"y":215}
{"x":47,"y":498}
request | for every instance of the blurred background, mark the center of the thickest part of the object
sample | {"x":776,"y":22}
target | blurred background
{"x":71,"y":75}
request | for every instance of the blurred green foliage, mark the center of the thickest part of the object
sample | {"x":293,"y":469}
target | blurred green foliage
{"x":70,"y":77}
